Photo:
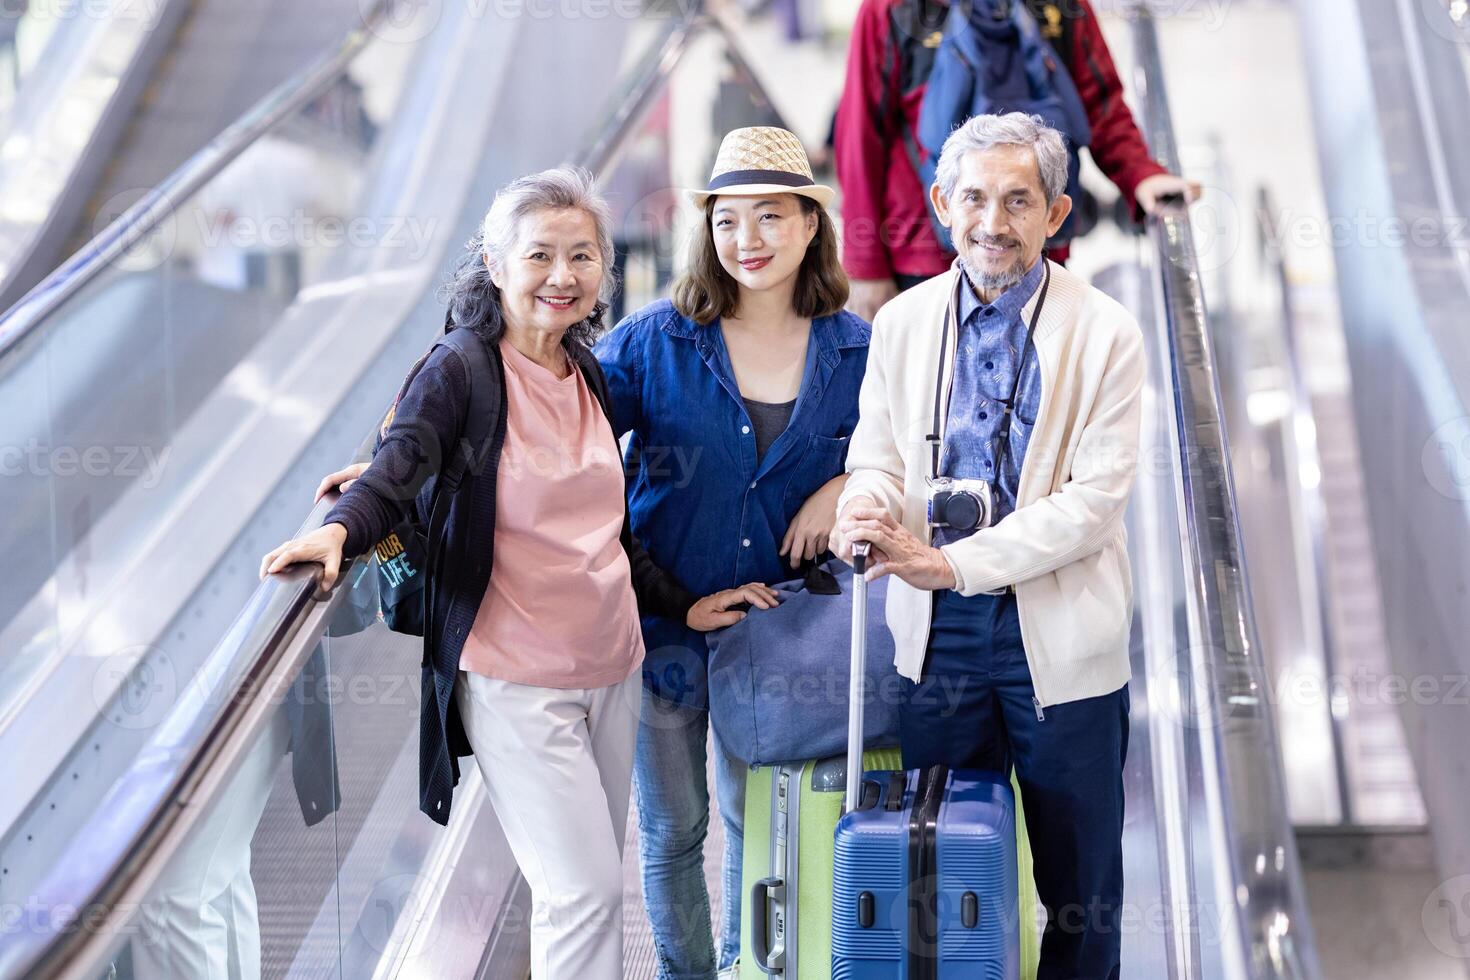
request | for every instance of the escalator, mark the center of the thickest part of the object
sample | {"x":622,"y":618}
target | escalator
{"x":109,"y":100}
{"x":1389,"y":84}
{"x":245,"y":753}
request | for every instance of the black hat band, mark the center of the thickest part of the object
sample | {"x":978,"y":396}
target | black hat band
{"x":782,"y":177}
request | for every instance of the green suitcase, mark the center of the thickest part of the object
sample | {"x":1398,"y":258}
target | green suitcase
{"x":791,"y":815}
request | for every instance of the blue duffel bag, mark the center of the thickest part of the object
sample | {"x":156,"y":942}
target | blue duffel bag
{"x":778,"y":678}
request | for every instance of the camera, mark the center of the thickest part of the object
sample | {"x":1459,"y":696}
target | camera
{"x":964,"y":505}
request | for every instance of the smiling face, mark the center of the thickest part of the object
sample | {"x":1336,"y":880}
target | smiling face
{"x":761,"y":241}
{"x":998,"y":216}
{"x":550,"y":278}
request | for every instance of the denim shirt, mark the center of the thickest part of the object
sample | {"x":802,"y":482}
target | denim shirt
{"x":991,"y":339}
{"x":706,"y":508}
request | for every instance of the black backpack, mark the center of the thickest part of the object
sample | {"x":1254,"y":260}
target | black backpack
{"x":407,"y":558}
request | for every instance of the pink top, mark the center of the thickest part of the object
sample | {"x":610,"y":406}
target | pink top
{"x":559,"y":610}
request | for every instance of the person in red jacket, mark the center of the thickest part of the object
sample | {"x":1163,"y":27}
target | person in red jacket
{"x":888,"y":242}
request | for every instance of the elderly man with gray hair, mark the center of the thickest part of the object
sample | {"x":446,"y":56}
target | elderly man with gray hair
{"x":989,"y":472}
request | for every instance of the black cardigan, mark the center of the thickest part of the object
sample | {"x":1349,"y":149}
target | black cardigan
{"x":426,"y":427}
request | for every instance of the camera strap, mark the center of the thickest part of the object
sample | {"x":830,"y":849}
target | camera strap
{"x":1003,"y":435}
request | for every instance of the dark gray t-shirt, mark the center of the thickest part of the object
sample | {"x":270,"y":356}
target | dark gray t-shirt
{"x":769,"y":421}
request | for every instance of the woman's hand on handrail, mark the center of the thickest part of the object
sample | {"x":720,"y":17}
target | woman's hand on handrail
{"x":322,"y":545}
{"x":340,"y":480}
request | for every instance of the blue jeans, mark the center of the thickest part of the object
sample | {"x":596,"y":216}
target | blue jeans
{"x":673,"y":818}
{"x":973,"y":710}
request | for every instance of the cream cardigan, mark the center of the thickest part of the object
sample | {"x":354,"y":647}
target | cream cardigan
{"x":1064,"y":547}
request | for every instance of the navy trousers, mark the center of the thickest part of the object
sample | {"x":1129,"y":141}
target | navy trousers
{"x":973,"y":709}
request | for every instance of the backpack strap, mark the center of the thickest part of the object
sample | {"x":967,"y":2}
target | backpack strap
{"x":1046,"y":67}
{"x":1056,"y":19}
{"x":482,"y":416}
{"x":483,"y":424}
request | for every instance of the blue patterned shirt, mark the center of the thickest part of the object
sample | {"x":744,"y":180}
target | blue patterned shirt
{"x":991,"y":339}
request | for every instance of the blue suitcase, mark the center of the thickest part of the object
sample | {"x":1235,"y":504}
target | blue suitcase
{"x":924,"y":876}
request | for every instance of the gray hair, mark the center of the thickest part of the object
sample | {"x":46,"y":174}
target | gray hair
{"x":1011,"y":129}
{"x":474,"y":300}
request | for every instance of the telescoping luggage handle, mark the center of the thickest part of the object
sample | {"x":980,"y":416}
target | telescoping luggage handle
{"x":857,"y":672}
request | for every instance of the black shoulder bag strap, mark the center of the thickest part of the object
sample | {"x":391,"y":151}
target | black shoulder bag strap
{"x":483,"y":418}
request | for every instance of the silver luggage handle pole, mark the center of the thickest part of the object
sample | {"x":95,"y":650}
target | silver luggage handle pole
{"x":857,"y":668}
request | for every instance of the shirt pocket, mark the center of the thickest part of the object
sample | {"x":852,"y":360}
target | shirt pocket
{"x":820,"y":461}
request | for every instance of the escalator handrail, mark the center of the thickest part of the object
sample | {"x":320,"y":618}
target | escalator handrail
{"x":1261,"y":897}
{"x":100,"y":882}
{"x":600,"y":153}
{"x":1305,"y":456}
{"x":134,"y":224}
{"x":115,"y":858}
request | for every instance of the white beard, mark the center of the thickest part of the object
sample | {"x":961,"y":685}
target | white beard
{"x":996,"y":282}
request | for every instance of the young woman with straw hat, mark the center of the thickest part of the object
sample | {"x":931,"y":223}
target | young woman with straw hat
{"x":740,"y":392}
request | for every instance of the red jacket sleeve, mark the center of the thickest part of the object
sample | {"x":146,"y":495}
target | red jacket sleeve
{"x":1117,"y":146}
{"x":860,"y":144}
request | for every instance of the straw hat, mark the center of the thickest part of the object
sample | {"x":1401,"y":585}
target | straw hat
{"x":762,"y":160}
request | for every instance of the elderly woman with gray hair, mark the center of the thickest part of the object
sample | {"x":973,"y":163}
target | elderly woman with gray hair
{"x":533,"y":657}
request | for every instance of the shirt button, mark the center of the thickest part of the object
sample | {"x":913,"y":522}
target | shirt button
{"x":990,"y":312}
{"x":752,"y":484}
{"x":745,"y":429}
{"x":745,"y":543}
{"x":989,"y":365}
{"x":985,"y":415}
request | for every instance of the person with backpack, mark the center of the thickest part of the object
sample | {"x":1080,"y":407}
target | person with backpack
{"x":990,"y":472}
{"x":917,"y":69}
{"x":740,"y":393}
{"x":532,"y":646}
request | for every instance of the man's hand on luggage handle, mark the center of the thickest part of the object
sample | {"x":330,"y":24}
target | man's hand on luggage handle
{"x":895,"y":550}
{"x":838,"y":543}
{"x":340,"y":480}
{"x":715,"y":611}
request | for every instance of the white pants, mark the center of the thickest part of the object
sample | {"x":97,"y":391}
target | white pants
{"x":558,"y":768}
{"x":201,"y":921}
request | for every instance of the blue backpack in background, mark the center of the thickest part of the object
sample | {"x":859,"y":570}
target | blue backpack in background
{"x":994,"y":60}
